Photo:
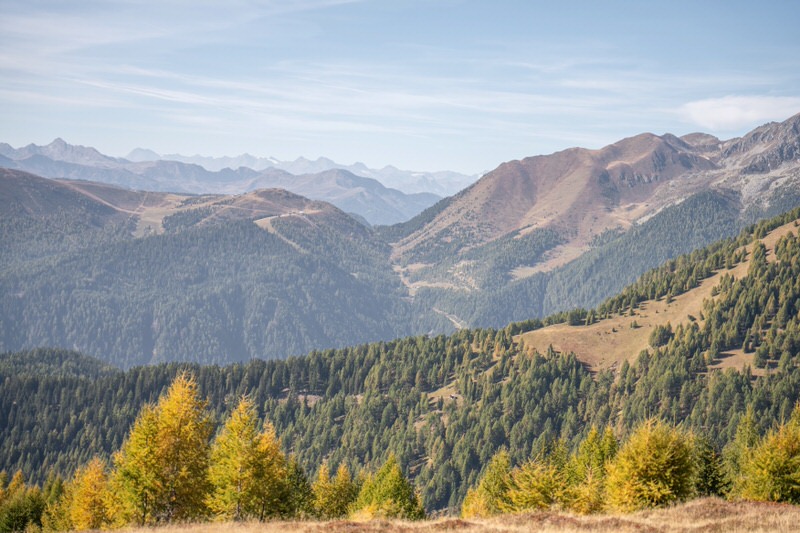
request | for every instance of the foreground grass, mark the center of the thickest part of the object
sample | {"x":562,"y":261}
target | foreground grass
{"x":702,"y":515}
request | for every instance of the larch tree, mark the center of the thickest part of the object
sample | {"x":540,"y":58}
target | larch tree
{"x":388,"y":494}
{"x":323,"y":493}
{"x":184,"y":430}
{"x":234,"y":469}
{"x":161,"y":472}
{"x":537,"y":484}
{"x":270,"y":464}
{"x":587,"y":471}
{"x":89,"y":501}
{"x":738,"y":451}
{"x":656,"y":466}
{"x":490,"y":496}
{"x":333,"y":496}
{"x":772,"y":472}
{"x":135,"y":480}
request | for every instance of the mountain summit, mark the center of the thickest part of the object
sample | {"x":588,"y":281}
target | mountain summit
{"x":582,"y":193}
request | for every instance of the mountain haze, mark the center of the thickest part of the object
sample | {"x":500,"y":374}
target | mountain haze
{"x":268,"y":273}
{"x":140,"y":278}
{"x":363,"y":196}
{"x":441,"y":183}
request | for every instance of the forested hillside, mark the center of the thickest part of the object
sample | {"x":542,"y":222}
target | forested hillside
{"x":445,"y":405}
{"x":137,"y":278}
{"x":546,"y":233}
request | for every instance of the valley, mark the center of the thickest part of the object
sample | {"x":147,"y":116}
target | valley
{"x":445,"y":405}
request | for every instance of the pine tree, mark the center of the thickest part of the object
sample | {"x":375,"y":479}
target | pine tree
{"x":89,"y":502}
{"x":299,"y":500}
{"x":711,"y":478}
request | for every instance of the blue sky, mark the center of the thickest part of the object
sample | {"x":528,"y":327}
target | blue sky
{"x":426,"y":85}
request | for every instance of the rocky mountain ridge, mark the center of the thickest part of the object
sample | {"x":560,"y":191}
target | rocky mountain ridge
{"x":582,"y":193}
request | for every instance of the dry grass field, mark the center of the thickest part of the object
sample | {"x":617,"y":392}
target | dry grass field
{"x":606,"y":343}
{"x":702,"y":515}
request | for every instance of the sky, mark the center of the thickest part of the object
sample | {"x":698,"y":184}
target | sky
{"x":418,"y":84}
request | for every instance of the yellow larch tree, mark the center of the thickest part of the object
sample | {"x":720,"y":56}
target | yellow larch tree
{"x":233,"y":471}
{"x":161,"y":472}
{"x":89,"y":501}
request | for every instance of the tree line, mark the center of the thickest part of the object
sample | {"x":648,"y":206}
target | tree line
{"x":171,"y":468}
{"x":657,"y":465}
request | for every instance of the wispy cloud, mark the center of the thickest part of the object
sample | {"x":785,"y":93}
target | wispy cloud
{"x":311,"y":75}
{"x":731,"y":113}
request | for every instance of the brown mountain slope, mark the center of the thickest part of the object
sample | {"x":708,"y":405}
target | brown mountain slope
{"x":609,"y":342}
{"x":23,"y":194}
{"x":29,"y":195}
{"x":582,"y":193}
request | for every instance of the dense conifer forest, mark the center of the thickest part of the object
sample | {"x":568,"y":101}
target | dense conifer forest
{"x":442,"y":407}
{"x":215,"y":288}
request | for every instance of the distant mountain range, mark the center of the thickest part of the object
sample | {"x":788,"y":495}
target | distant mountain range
{"x":221,"y":277}
{"x":363,"y":196}
{"x":442,"y":183}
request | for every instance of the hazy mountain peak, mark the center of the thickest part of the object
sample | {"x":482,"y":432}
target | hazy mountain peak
{"x":138,"y":155}
{"x":442,"y":183}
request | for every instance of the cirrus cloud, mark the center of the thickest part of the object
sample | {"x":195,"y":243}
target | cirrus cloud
{"x":731,"y":113}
